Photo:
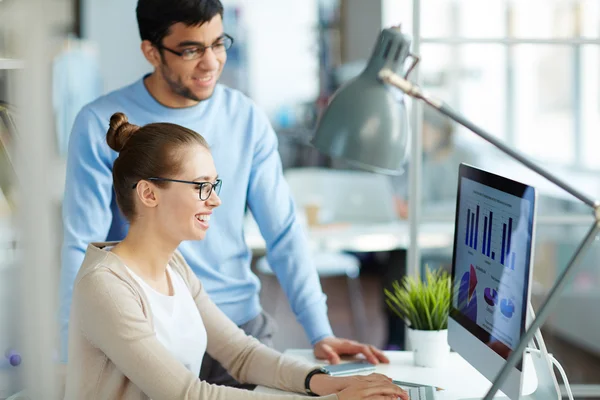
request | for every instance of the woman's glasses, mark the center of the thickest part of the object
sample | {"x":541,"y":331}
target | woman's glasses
{"x":205,"y":189}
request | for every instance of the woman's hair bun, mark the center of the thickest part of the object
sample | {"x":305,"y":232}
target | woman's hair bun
{"x":120,"y":131}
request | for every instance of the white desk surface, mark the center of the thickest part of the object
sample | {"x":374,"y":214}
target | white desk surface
{"x":364,"y":237}
{"x":458,"y":378}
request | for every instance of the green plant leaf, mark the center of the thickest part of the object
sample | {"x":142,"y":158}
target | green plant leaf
{"x":423,"y":304}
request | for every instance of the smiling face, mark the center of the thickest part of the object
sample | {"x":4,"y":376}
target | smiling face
{"x":179,"y":212}
{"x":183,"y":82}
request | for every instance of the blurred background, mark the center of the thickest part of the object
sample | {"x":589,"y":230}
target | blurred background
{"x":527,"y":71}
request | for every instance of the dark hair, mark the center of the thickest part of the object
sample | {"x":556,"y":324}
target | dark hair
{"x":145,"y":152}
{"x":155,"y":17}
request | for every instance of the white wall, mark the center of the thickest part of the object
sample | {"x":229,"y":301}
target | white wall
{"x":282,"y":51}
{"x":112,"y":26}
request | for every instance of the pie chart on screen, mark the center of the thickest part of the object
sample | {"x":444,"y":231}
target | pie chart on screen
{"x":467,"y":295}
{"x":507,"y":308}
{"x":490,"y":296}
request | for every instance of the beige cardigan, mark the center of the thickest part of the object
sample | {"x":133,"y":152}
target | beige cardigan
{"x":114,"y":352}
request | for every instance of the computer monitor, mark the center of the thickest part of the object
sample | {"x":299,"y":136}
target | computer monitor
{"x":491,"y":271}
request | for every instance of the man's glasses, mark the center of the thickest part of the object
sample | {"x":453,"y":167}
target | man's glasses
{"x":205,"y":189}
{"x":222,"y":44}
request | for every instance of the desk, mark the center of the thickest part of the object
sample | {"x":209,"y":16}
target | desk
{"x":363,"y":237}
{"x":459,"y":379}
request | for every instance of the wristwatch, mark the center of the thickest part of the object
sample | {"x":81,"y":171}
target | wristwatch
{"x":309,"y":377}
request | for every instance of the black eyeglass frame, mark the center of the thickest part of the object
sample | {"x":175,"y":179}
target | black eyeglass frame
{"x":216,"y":187}
{"x":201,"y":49}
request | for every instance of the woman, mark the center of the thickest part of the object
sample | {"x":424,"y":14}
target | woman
{"x":141,"y":321}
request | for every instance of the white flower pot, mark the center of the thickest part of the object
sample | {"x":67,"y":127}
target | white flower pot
{"x":430,"y":348}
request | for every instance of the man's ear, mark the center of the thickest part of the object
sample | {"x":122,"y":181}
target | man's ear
{"x":151,"y":53}
{"x":147,"y":194}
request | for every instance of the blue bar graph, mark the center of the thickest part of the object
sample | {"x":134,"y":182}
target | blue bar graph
{"x":468,"y":222}
{"x":476,"y":229}
{"x":507,"y":256}
{"x":509,"y":235}
{"x":503,"y":244}
{"x":472,"y":231}
{"x":484,"y":244}
{"x":489,"y":235}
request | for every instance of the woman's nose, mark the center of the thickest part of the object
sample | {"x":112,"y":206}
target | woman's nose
{"x":214,"y":200}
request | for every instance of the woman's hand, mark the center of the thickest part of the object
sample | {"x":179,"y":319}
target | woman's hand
{"x":358,"y":387}
{"x":373,"y":391}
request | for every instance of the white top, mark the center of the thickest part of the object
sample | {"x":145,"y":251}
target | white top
{"x":177,"y":321}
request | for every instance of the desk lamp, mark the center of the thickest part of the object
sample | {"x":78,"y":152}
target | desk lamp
{"x":365,"y":125}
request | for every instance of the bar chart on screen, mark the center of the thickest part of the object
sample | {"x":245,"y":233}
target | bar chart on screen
{"x":490,"y":232}
{"x":491,"y":256}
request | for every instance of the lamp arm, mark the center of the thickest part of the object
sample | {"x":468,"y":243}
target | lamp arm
{"x":546,"y":308}
{"x":413,"y":90}
{"x":388,"y":76}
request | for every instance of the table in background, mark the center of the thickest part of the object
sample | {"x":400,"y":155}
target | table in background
{"x":364,"y":237}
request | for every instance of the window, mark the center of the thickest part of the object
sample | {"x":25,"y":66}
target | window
{"x":535,"y":85}
{"x":472,"y":80}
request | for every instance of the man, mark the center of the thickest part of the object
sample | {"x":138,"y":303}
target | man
{"x":185,"y":43}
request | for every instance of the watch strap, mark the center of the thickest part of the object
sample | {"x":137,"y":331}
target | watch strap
{"x":312,"y":373}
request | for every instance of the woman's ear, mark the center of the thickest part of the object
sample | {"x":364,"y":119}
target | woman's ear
{"x":147,"y":194}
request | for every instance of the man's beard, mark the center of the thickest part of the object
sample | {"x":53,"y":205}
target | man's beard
{"x":177,"y":86}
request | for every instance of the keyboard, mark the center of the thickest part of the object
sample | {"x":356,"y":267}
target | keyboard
{"x":421,"y":393}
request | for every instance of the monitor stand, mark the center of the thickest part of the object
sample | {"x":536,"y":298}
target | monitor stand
{"x":547,"y":387}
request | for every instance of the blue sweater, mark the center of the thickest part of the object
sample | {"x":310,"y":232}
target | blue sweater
{"x":244,"y":147}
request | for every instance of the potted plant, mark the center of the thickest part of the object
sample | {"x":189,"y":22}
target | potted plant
{"x":424,"y":306}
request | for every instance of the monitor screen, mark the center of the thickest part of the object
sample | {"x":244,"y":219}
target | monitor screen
{"x":492,"y":256}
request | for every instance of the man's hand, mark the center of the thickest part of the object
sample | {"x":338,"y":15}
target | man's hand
{"x":332,"y":348}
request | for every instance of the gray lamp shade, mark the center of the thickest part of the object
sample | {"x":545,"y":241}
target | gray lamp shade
{"x":366,"y":121}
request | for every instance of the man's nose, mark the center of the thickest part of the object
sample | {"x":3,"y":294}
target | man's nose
{"x":209,"y":60}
